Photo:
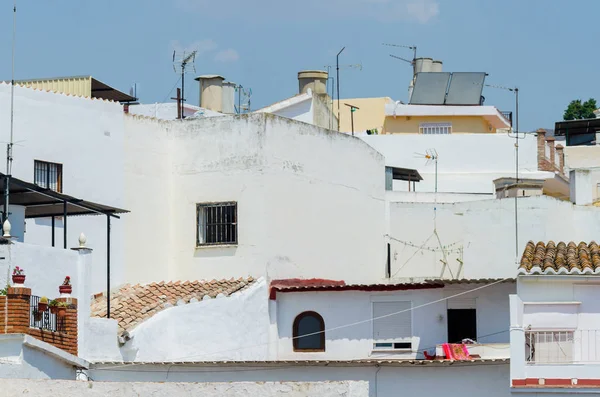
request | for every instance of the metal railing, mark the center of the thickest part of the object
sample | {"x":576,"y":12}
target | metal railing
{"x":43,"y":319}
{"x":562,"y":347}
{"x":507,"y":115}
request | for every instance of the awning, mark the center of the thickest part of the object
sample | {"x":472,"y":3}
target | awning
{"x":41,"y":202}
{"x":406,"y":174}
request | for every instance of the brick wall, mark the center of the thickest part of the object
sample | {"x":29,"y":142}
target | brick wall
{"x":550,"y":157}
{"x":15,"y":319}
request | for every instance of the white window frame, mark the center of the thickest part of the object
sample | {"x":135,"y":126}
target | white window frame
{"x":391,"y":342}
{"x":435,"y":128}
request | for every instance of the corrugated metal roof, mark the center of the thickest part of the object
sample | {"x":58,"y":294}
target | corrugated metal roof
{"x":84,"y":86}
{"x":314,"y":363}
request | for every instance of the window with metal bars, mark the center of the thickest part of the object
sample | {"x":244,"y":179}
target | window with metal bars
{"x":435,"y":128}
{"x":48,"y":175}
{"x":217,"y":223}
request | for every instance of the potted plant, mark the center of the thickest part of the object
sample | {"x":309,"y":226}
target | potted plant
{"x":53,"y":304}
{"x":61,"y":310}
{"x":66,"y":288}
{"x":43,"y":304}
{"x":18,"y":276}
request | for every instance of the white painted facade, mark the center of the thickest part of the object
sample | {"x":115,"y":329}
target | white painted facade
{"x":306,"y":107}
{"x":86,"y":137}
{"x":349,"y":316}
{"x":227,"y":328}
{"x":480,"y":234}
{"x":168,"y":111}
{"x":468,"y":163}
{"x":47,"y":388}
{"x":291,"y":207}
{"x":456,"y":380}
{"x":556,"y":304}
{"x":23,"y":357}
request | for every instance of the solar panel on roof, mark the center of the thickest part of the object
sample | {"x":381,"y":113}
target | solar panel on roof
{"x":430,"y":88}
{"x":465,"y":88}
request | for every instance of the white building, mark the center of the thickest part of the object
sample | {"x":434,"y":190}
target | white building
{"x":554,"y":319}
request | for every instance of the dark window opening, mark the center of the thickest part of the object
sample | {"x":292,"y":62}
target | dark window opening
{"x":48,"y":175}
{"x":309,"y":332}
{"x":216,"y":224}
{"x":462,"y":324}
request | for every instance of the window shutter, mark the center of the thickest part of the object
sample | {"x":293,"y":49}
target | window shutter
{"x":392,"y":327}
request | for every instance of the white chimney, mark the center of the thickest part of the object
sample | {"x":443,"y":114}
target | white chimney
{"x":228,"y":106}
{"x":316,"y":80}
{"x":580,"y":185}
{"x":211,"y":92}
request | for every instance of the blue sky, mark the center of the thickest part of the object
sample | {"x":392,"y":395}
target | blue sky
{"x":545,"y":47}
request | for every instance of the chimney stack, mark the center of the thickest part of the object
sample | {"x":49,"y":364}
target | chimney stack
{"x":580,"y":186}
{"x":316,"y":80}
{"x":211,"y":92}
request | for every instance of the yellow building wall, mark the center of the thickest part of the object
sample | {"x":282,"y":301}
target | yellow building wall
{"x":460,"y":124}
{"x":78,"y":86}
{"x":370,"y":115}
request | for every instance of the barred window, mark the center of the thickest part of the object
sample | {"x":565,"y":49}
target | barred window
{"x":435,"y":128}
{"x":48,"y":175}
{"x":217,"y":223}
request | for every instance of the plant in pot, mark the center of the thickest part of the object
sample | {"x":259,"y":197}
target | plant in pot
{"x":18,"y":276}
{"x":43,"y":304}
{"x":53,"y":304}
{"x":66,"y":288}
{"x":61,"y":309}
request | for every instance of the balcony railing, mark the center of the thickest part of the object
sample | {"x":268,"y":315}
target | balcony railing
{"x":43,"y":319}
{"x":562,"y":347}
{"x":507,"y":115}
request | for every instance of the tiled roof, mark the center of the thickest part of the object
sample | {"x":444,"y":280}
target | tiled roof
{"x":133,"y":304}
{"x":561,"y":258}
{"x":315,"y":284}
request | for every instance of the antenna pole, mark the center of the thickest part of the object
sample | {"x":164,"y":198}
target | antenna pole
{"x":182,"y":99}
{"x":517,"y":172}
{"x":9,"y":147}
{"x":337,"y":67}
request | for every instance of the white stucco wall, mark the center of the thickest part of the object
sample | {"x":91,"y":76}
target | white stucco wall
{"x":468,"y":163}
{"x":348,"y":315}
{"x":86,"y":137}
{"x":228,"y":328}
{"x":484,"y":230}
{"x":556,"y":303}
{"x":240,"y":389}
{"x":291,"y":203}
{"x":456,"y":380}
{"x":24,"y":362}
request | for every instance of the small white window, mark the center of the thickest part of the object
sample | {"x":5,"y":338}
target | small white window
{"x":392,"y":325}
{"x":435,"y":128}
{"x":48,"y":175}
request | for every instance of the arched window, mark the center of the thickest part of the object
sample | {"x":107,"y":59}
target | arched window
{"x":312,"y":325}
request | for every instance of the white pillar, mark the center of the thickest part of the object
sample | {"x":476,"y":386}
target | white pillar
{"x":580,"y":181}
{"x":517,"y":339}
{"x":83,"y":291}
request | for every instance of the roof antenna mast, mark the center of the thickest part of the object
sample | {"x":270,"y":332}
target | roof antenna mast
{"x":9,"y":147}
{"x":183,"y":63}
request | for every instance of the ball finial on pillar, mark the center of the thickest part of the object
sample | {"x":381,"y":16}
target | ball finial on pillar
{"x":6,"y":226}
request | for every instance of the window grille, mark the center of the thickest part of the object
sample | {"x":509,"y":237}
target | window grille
{"x":435,"y":128}
{"x":217,"y":224}
{"x":48,"y":175}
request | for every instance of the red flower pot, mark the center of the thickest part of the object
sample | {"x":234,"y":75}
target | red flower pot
{"x":65,"y":289}
{"x":42,"y":307}
{"x":61,"y":312}
{"x":18,"y":278}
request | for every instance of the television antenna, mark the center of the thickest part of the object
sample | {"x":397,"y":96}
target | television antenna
{"x":9,"y":147}
{"x":329,"y":86}
{"x":182,"y":63}
{"x":410,"y":47}
{"x":244,"y":99}
{"x":431,"y":156}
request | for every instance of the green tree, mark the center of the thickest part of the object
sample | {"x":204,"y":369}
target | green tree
{"x":577,"y":110}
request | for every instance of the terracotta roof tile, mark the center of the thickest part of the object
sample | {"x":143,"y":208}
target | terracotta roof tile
{"x":132,"y":305}
{"x":561,"y":258}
